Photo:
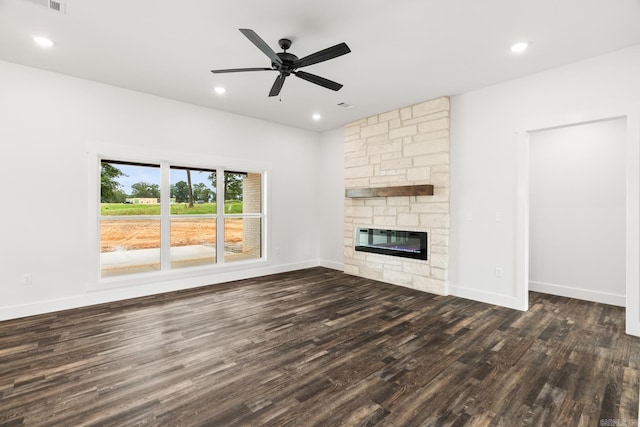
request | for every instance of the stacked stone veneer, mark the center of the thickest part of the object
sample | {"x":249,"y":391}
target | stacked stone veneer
{"x":400,"y":147}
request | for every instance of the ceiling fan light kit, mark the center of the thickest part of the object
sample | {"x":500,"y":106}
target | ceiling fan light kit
{"x":286,"y":63}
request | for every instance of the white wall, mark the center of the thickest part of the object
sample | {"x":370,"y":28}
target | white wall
{"x":577,"y":211}
{"x":484,"y":157}
{"x":47,"y":120}
{"x":331,"y":199}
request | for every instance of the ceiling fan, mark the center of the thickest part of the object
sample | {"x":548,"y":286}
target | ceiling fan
{"x":287,"y":63}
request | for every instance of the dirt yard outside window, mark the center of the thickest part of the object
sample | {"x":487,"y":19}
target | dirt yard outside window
{"x":124,"y":234}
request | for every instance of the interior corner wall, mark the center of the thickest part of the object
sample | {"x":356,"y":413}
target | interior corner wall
{"x":331,"y":199}
{"x":47,"y":121}
{"x":484,"y":172}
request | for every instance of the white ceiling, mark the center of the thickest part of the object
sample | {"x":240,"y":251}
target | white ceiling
{"x":403,"y":51}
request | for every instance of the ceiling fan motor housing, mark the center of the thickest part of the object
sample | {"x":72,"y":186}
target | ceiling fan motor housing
{"x":288,"y":59}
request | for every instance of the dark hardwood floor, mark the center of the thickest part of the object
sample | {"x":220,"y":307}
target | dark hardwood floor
{"x":319,"y":348}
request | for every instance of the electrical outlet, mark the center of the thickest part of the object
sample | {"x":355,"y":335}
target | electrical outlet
{"x":277,"y":251}
{"x":27,"y":279}
{"x":498,"y":272}
{"x":499,"y":216}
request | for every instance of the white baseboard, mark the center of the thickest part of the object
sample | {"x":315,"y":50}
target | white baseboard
{"x":332,"y":265}
{"x":487,"y":297}
{"x":121,"y":293}
{"x":584,"y":294}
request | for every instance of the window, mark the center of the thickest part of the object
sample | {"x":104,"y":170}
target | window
{"x":193,"y":217}
{"x":188,"y":222}
{"x":129,"y":221}
{"x":242,"y":216}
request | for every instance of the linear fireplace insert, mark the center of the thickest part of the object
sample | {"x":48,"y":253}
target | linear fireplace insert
{"x":407,"y":244}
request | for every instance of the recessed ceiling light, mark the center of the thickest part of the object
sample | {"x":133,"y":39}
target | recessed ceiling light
{"x":519,"y":47}
{"x":42,"y":41}
{"x":316,"y":117}
{"x":220,"y":90}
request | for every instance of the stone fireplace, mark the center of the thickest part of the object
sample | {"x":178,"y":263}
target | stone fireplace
{"x":405,"y":149}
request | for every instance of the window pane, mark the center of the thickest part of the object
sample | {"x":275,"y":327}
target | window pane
{"x":193,"y":242}
{"x":243,"y":193}
{"x":129,"y":246}
{"x":252,"y":193}
{"x":129,"y":189}
{"x":193,"y":191}
{"x":242,"y":237}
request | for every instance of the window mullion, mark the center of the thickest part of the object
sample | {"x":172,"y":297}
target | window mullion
{"x":220,"y":196}
{"x":165,"y":216}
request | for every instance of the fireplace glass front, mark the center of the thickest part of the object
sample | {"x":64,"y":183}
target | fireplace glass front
{"x":407,"y":244}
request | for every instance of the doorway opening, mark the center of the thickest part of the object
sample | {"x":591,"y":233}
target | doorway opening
{"x":630,"y":114}
{"x":577,"y":202}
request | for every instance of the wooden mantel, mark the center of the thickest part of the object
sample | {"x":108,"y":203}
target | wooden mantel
{"x":404,"y":190}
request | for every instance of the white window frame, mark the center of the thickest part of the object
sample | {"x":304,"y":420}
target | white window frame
{"x":96,"y":154}
{"x":220,"y":200}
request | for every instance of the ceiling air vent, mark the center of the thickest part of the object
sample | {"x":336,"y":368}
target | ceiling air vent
{"x":53,"y":5}
{"x":56,"y":5}
{"x":345,"y":105}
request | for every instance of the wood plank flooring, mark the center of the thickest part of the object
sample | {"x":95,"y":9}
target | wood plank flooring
{"x":319,"y":348}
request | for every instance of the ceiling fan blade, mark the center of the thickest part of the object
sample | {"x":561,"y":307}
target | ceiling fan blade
{"x":277,"y":85}
{"x":237,"y":70}
{"x":262,"y":45}
{"x":329,"y":84}
{"x":323,"y":55}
